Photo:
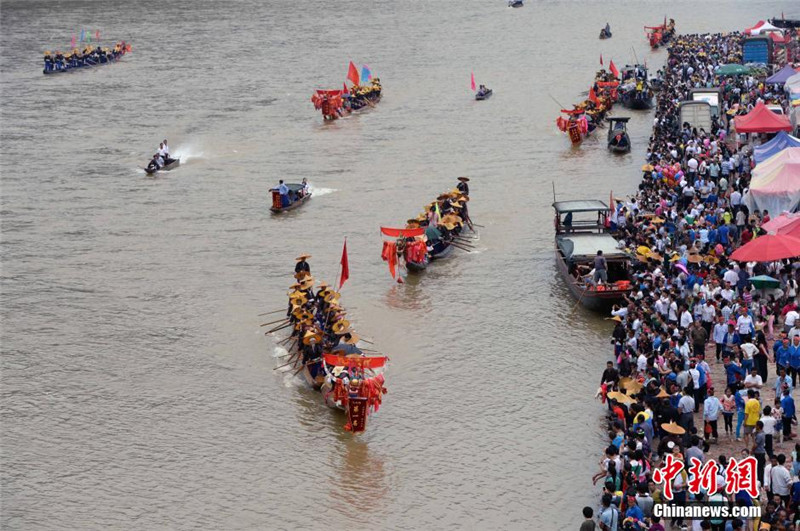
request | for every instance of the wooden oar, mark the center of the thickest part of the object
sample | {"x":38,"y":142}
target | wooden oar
{"x":270,"y":313}
{"x":462,"y":248}
{"x":276,"y":329}
{"x":465,"y":244}
{"x":580,"y":298}
{"x":284,"y":320}
{"x":282,"y":341}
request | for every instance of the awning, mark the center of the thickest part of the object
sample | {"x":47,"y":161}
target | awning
{"x":761,"y":120}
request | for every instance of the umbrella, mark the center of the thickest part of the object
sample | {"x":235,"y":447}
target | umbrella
{"x":681,"y":267}
{"x":732,"y":70}
{"x":764,"y":282}
{"x":768,"y":249}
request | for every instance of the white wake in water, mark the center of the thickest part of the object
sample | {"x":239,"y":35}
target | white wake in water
{"x":186,"y":152}
{"x":321,"y":191}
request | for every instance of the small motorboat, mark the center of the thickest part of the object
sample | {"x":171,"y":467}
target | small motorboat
{"x":515,"y":3}
{"x":618,"y":139}
{"x":170,"y":165}
{"x":483,"y":94}
{"x":605,"y":34}
{"x":296,"y":198}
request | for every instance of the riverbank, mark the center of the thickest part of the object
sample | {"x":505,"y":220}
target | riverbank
{"x":682,"y":225}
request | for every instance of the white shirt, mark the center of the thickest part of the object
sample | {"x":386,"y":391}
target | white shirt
{"x":791,"y":317}
{"x":769,"y":424}
{"x":736,"y":198}
{"x":673,"y":311}
{"x":748,"y":349}
{"x":686,"y":319}
{"x":780,"y":480}
{"x":731,"y":277}
{"x":743,"y":324}
{"x":753,"y":381}
{"x":166,"y":149}
{"x":641,"y":362}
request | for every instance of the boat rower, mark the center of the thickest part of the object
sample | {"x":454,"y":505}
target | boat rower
{"x":166,"y":149}
{"x":462,"y":186}
{"x":304,"y":191}
{"x":302,"y":265}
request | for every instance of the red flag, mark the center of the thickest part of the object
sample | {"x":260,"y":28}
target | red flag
{"x":345,"y":265}
{"x":601,"y":59}
{"x":472,"y":80}
{"x":344,"y":89}
{"x":613,"y":68}
{"x":592,"y":96}
{"x":352,"y":74}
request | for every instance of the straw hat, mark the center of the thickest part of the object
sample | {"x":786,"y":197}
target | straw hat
{"x":464,"y":179}
{"x":310,"y":336}
{"x":629,"y":384}
{"x":711,"y":259}
{"x":620,"y":397}
{"x":694,"y":259}
{"x":341,"y":327}
{"x":656,"y":257}
{"x":657,"y":220}
{"x":303,"y":257}
{"x":351,"y":338}
{"x":671,"y":427}
{"x":616,"y":318}
{"x":662,"y":393}
{"x":331,"y":296}
{"x":300,"y":275}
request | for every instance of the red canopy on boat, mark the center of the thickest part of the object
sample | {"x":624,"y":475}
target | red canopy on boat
{"x":406,"y":233}
{"x":762,"y":120}
{"x":768,"y":248}
{"x":361,"y":362}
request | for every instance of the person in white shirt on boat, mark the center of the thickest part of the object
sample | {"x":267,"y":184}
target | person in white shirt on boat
{"x":166,"y":149}
{"x":306,"y":189}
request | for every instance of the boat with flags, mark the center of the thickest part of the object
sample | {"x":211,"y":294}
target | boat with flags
{"x":583,"y":247}
{"x":83,"y":59}
{"x":327,"y":351}
{"x":660,"y":35}
{"x":365,"y":91}
{"x":432,"y":235}
{"x":586,"y":116}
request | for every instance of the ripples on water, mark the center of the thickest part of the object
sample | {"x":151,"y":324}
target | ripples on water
{"x":138,"y":389}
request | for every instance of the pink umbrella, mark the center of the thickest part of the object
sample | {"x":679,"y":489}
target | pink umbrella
{"x":768,"y":248}
{"x":681,"y":267}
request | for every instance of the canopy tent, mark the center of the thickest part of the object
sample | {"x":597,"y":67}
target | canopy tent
{"x":761,"y":120}
{"x":768,"y":249}
{"x":791,"y":154}
{"x":775,"y":187}
{"x":779,"y":223}
{"x":778,"y":143}
{"x":761,"y":27}
{"x":782,"y":75}
{"x":732,"y":69}
{"x":792,"y":88}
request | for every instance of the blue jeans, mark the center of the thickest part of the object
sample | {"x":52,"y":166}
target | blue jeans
{"x":739,"y":422}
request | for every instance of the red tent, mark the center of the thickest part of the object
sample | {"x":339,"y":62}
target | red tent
{"x":762,"y":120}
{"x":768,"y":248}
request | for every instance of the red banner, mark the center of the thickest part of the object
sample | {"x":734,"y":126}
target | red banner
{"x":352,"y":74}
{"x":360,"y":362}
{"x":407,"y":233}
{"x":345,"y":266}
{"x":613,"y":68}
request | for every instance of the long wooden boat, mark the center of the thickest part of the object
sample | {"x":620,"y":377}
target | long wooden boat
{"x":335,"y":104}
{"x":298,"y":201}
{"x":88,"y":66}
{"x":577,"y":242}
{"x":325,"y":351}
{"x":166,"y":167}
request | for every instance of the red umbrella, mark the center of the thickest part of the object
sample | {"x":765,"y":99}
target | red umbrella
{"x":768,"y":248}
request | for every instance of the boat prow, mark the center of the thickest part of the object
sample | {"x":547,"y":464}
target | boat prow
{"x":166,"y":167}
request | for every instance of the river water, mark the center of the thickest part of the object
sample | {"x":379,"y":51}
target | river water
{"x":138,"y":388}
